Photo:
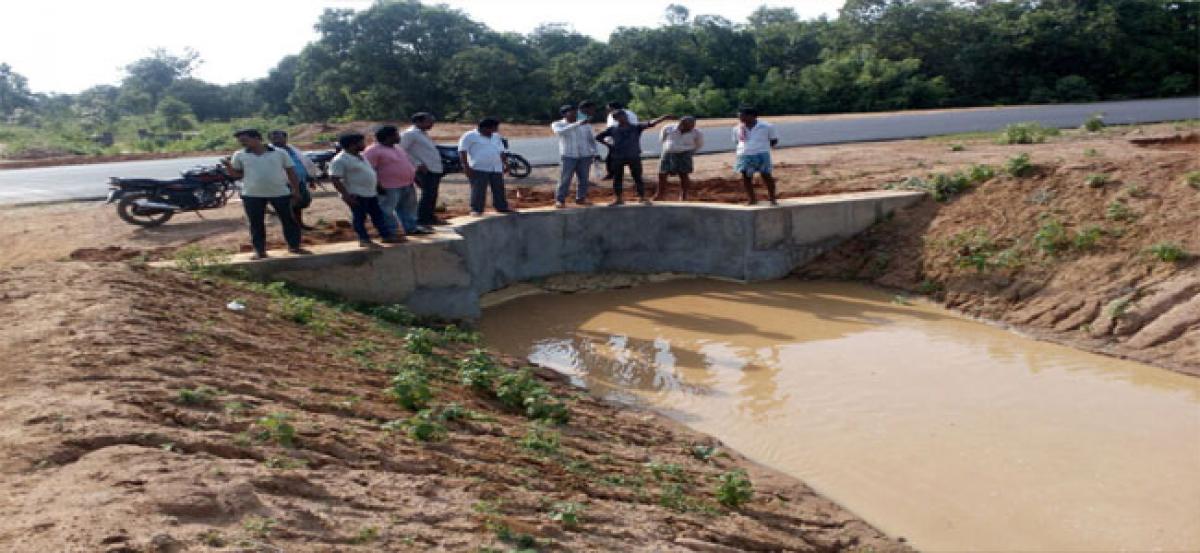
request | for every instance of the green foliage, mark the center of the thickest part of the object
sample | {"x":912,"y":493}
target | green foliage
{"x":519,"y":391}
{"x":1096,"y":180}
{"x":567,"y":513}
{"x":734,"y":489}
{"x":275,"y":427}
{"x":975,"y":248}
{"x":455,"y":334}
{"x":200,"y":395}
{"x":1087,"y":238}
{"x":957,"y":147}
{"x":1052,"y":237}
{"x":410,"y":389}
{"x":421,"y":341}
{"x":394,"y":313}
{"x":259,"y":527}
{"x":478,"y":371}
{"x":704,"y":452}
{"x":666,"y":471}
{"x":1119,"y":211}
{"x":1094,"y":123}
{"x":200,"y":260}
{"x":422,"y":427}
{"x":1026,"y":133}
{"x":1192,"y":178}
{"x":540,"y":439}
{"x":1167,"y":252}
{"x":1019,"y":166}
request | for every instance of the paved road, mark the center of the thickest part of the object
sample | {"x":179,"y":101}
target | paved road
{"x":90,"y":181}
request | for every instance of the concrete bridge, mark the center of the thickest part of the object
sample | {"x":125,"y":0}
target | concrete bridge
{"x":444,"y":275}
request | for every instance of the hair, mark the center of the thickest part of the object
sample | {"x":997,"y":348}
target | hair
{"x":565,"y":108}
{"x":489,"y":123}
{"x":249,"y":133}
{"x":587,"y":104}
{"x":748,"y":110}
{"x":384,"y":131}
{"x":421,"y":116}
{"x":277,"y":131}
{"x":616,"y":105}
{"x":348,"y":139}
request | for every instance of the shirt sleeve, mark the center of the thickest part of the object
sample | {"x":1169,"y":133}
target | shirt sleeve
{"x":338,"y":168}
{"x":607,"y":132}
{"x":372,"y":157}
{"x":464,"y":143}
{"x":771,"y":134}
{"x":699,"y":139}
{"x":734,"y":132}
{"x":287,"y":160}
{"x":236,"y":161}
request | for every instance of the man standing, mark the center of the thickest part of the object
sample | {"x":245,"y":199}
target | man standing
{"x":424,"y":153}
{"x":306,"y":172}
{"x":754,"y":140}
{"x":626,"y":150}
{"x":613,"y":108}
{"x":268,"y":177}
{"x":485,"y":162}
{"x":679,"y":144}
{"x":396,"y":174}
{"x":356,"y":181}
{"x":577,"y":150}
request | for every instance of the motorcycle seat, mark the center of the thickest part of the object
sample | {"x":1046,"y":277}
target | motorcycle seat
{"x":148,"y":183}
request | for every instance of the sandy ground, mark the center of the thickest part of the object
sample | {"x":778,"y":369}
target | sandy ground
{"x":104,"y":450}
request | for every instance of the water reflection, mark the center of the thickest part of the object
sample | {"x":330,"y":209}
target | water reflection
{"x":952,"y":433}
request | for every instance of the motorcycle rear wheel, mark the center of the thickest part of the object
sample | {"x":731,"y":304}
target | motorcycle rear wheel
{"x":127,"y":210}
{"x":518,"y":167}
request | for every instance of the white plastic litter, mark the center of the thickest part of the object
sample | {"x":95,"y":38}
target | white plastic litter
{"x":235,"y":306}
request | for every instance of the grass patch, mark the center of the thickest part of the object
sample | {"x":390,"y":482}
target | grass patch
{"x":1026,"y":133}
{"x":276,"y":428}
{"x":734,"y":489}
{"x":1096,"y":180}
{"x":1167,"y":252}
{"x":1019,"y":166}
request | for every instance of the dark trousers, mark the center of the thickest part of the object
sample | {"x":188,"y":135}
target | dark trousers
{"x":481,"y":181}
{"x":256,"y":211}
{"x":427,"y":205}
{"x":635,"y":170}
{"x":369,"y":206}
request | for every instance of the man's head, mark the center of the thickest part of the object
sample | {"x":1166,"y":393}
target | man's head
{"x":621,"y":117}
{"x":568,"y":112}
{"x":352,"y":142}
{"x":588,"y":108}
{"x":748,"y":115}
{"x":687,"y":123}
{"x":248,"y":138}
{"x":423,"y":120}
{"x":388,"y":135}
{"x":488,"y":126}
{"x":278,"y":138}
{"x":615,"y":106}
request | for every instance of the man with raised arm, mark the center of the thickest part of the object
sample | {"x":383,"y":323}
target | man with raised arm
{"x":626,"y":151}
{"x":576,"y":150}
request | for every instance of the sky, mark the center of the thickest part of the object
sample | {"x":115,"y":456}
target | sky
{"x":66,"y":46}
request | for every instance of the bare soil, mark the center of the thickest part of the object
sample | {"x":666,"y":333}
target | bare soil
{"x":105,"y":451}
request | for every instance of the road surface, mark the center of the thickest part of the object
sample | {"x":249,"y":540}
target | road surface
{"x":80,"y":182}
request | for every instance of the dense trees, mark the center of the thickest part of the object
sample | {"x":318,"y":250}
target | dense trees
{"x":400,"y":56}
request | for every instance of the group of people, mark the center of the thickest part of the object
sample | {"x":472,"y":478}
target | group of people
{"x":380,"y":181}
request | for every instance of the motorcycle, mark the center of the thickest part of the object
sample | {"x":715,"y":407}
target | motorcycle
{"x":518,"y":166}
{"x":322,"y":159}
{"x":152,"y":202}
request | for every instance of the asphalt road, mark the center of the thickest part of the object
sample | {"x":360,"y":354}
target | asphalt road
{"x":80,"y":182}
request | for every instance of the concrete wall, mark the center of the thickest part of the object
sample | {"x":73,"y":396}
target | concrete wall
{"x":444,"y":275}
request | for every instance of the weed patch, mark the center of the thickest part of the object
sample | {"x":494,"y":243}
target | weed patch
{"x":1026,"y":133}
{"x":734,"y":489}
{"x":1167,"y":252}
{"x":1019,"y":166}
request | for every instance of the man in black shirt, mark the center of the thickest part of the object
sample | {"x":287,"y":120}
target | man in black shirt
{"x":626,"y":150}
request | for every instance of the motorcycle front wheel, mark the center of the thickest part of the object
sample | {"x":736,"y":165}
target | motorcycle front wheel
{"x":128,"y":211}
{"x":518,"y":166}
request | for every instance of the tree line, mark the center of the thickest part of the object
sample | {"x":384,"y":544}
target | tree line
{"x":400,"y":56}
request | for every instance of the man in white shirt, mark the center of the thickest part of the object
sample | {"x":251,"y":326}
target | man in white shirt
{"x":268,"y":177}
{"x":576,"y":149}
{"x":754,"y":141}
{"x":614,"y":107}
{"x":355,"y":179}
{"x":679,"y":144}
{"x":424,"y":153}
{"x":485,"y":162}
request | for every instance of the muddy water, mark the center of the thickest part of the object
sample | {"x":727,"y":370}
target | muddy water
{"x":951,"y":433}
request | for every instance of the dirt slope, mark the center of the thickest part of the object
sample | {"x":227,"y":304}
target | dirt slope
{"x":1065,"y":253}
{"x":139,"y":413}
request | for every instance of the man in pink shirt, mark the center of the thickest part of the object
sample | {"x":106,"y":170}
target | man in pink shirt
{"x":398,"y":196}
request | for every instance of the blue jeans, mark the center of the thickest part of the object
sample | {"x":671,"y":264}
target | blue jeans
{"x":369,"y":206}
{"x":481,"y":181}
{"x":400,"y":206}
{"x":256,"y":211}
{"x":577,"y":167}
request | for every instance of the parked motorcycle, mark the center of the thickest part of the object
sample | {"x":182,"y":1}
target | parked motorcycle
{"x":322,"y":159}
{"x":152,"y":202}
{"x":518,"y":166}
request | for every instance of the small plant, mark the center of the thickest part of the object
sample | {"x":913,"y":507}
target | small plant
{"x":395,"y":314}
{"x":421,"y":341}
{"x":1026,"y":133}
{"x":285,"y":463}
{"x":734,"y":489}
{"x":1119,"y":211}
{"x":1094,"y":123}
{"x":1096,"y":180}
{"x":200,"y":260}
{"x":1117,"y":308}
{"x":1087,"y":238}
{"x":672,"y":497}
{"x":540,"y":439}
{"x":1091,"y":152}
{"x":1192,"y":178}
{"x":566,"y":513}
{"x":422,"y":427}
{"x":666,"y":471}
{"x":957,"y":147}
{"x":211,"y":538}
{"x":1019,"y":166}
{"x":1051,"y":237}
{"x":299,"y":309}
{"x":200,"y":395}
{"x":259,"y":527}
{"x":411,"y":390}
{"x":366,"y":535}
{"x":1167,"y":252}
{"x":1135,"y":191}
{"x":275,"y":427}
{"x":975,"y":248}
{"x":454,"y":333}
{"x":452,"y":412}
{"x":980,"y":173}
{"x":478,"y":370}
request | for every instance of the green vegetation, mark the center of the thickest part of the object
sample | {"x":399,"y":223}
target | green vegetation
{"x":567,"y":513}
{"x":1019,"y":166}
{"x":200,"y":395}
{"x":944,"y":186}
{"x":734,"y":489}
{"x":957,"y":147}
{"x":1192,"y":178}
{"x":422,"y":340}
{"x":1119,"y":211}
{"x":1026,"y":133}
{"x":1096,"y":180}
{"x":276,"y":428}
{"x":975,"y":248}
{"x":1167,"y":252}
{"x":1087,"y":238}
{"x":259,"y":527}
{"x":422,"y":427}
{"x":1094,"y":123}
{"x":1052,"y":237}
{"x":478,"y":371}
{"x":410,"y":389}
{"x":540,"y":439}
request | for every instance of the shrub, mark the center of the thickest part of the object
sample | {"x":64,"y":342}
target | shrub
{"x":1119,"y":211}
{"x":1094,"y":123}
{"x":540,"y":440}
{"x":421,"y":341}
{"x":478,"y":371}
{"x":275,"y":427}
{"x":974,"y":248}
{"x":1192,"y":178}
{"x":980,"y":174}
{"x":958,"y":147}
{"x":410,"y":389}
{"x":1167,"y":252}
{"x":298,"y":309}
{"x":1087,"y":238}
{"x":1019,"y":165}
{"x":394,"y":313}
{"x":422,"y":427}
{"x":566,"y":513}
{"x":734,"y":489}
{"x":201,"y":395}
{"x":1027,"y":133}
{"x":1096,"y":180}
{"x":1051,"y":237}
